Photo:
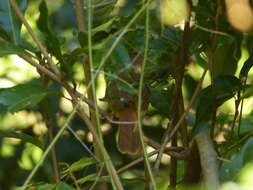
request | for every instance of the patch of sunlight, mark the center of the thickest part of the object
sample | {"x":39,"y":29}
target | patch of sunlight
{"x":18,"y":120}
{"x":16,"y":70}
{"x":78,"y":70}
{"x":151,"y":158}
{"x":228,"y":106}
{"x":162,"y":182}
{"x":7,"y":149}
{"x":230,"y":186}
{"x":246,"y":176}
{"x":165,"y":123}
{"x":128,"y":175}
{"x":196,"y":71}
{"x":5,"y":83}
{"x":101,"y":87}
{"x":152,"y":121}
{"x":243,"y":58}
{"x":30,"y":156}
{"x":40,"y":128}
{"x":65,"y":104}
{"x":118,"y":6}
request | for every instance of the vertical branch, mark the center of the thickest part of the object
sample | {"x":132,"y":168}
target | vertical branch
{"x":178,"y":102}
{"x":87,"y":65}
{"x":89,"y":78}
{"x":53,"y":152}
{"x":208,"y":159}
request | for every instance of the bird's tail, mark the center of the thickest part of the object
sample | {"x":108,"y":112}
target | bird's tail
{"x":128,"y":135}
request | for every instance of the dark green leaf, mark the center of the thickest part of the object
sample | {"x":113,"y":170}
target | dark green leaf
{"x":212,"y":97}
{"x":79,"y":165}
{"x":83,"y":39}
{"x":22,"y":96}
{"x":9,"y":22}
{"x":160,"y":98}
{"x":22,"y":136}
{"x":52,"y":42}
{"x":231,"y":169}
{"x":62,"y":186}
{"x":246,"y":67}
{"x":59,"y":186}
{"x":247,"y":151}
{"x":226,"y":56}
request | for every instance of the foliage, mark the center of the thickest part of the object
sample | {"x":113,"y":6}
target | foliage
{"x":117,"y":37}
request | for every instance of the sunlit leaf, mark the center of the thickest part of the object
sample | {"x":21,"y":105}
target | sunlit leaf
{"x":22,"y":136}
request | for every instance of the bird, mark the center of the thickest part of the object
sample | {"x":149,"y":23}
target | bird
{"x":123,"y":104}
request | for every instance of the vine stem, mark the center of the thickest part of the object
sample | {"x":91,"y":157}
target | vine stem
{"x":140,"y":100}
{"x":54,"y":140}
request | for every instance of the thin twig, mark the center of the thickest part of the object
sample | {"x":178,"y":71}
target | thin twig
{"x":108,"y":163}
{"x":168,"y":137}
{"x":161,"y":150}
{"x":57,"y":136}
{"x":211,"y":31}
{"x":169,"y":150}
{"x":83,"y":144}
{"x":97,"y":178}
{"x":33,"y":35}
{"x":189,"y":105}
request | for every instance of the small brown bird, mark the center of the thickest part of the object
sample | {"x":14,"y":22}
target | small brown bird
{"x":124,"y":106}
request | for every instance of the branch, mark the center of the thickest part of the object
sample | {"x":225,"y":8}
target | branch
{"x":34,"y":37}
{"x":167,"y":138}
{"x":208,"y":160}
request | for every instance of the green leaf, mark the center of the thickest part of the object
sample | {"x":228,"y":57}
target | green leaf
{"x":104,"y":27}
{"x":9,"y":22}
{"x":58,"y":186}
{"x":22,"y":96}
{"x":22,"y":136}
{"x":247,"y":151}
{"x":62,"y":186}
{"x":160,"y":99}
{"x":119,"y":60}
{"x":126,"y":87}
{"x":7,"y":48}
{"x":226,"y":56}
{"x":51,"y":39}
{"x":90,"y":177}
{"x":230,"y":170}
{"x":213,"y":96}
{"x":79,"y":165}
{"x":246,"y":67}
